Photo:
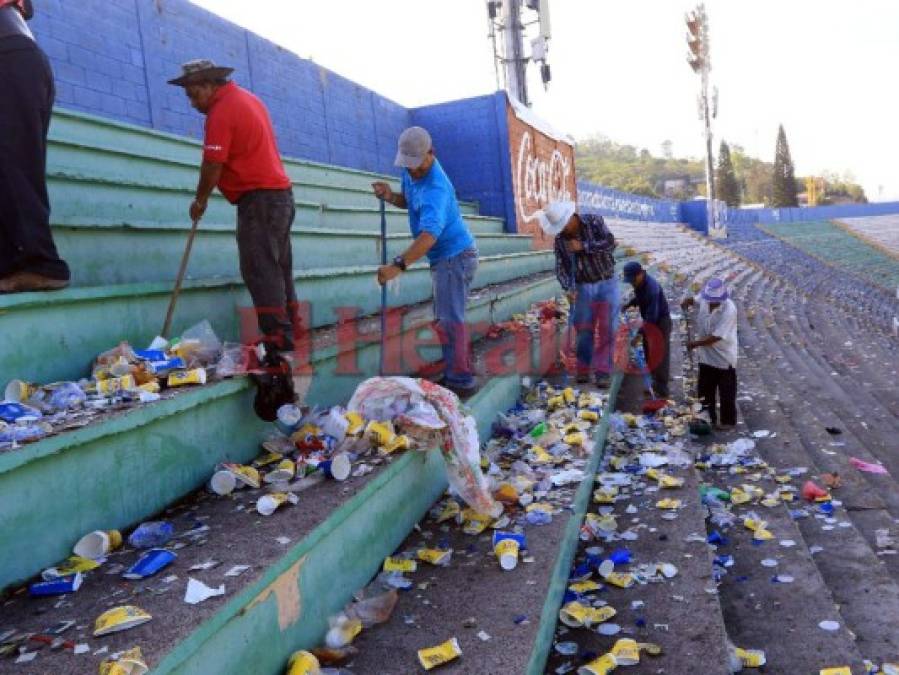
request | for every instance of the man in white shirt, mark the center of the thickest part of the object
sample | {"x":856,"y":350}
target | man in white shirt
{"x":716,"y":324}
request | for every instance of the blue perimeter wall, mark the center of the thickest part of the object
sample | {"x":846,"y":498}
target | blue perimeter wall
{"x":114,"y":57}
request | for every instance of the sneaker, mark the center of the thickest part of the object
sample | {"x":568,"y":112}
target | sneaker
{"x":603,"y":381}
{"x":583,"y":379}
{"x":23,"y":282}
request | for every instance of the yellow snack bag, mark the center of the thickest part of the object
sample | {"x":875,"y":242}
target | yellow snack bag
{"x":605,"y":495}
{"x":435,"y":556}
{"x":842,"y":670}
{"x":303,"y":663}
{"x":541,"y":456}
{"x":604,"y":665}
{"x":670,"y":504}
{"x":589,"y":415}
{"x":355,"y":423}
{"x":432,"y":657}
{"x":666,"y":481}
{"x":584,"y":586}
{"x":179,"y":378}
{"x":575,"y":438}
{"x":626,"y":652}
{"x":392,"y":564}
{"x":620,"y":580}
{"x":450,"y":510}
{"x":475,"y":522}
{"x":750,"y":658}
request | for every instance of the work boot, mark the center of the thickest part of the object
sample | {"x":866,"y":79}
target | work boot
{"x":603,"y":381}
{"x":23,"y":282}
{"x":274,"y":387}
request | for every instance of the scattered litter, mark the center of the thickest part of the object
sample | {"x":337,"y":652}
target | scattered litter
{"x":437,"y":656}
{"x":483,"y":636}
{"x":119,"y":619}
{"x":868,"y":467}
{"x":829,"y":625}
{"x":197,"y":592}
{"x":237,"y":570}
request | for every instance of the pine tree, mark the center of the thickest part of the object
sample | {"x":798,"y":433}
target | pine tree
{"x":726,"y":179}
{"x":784,"y":181}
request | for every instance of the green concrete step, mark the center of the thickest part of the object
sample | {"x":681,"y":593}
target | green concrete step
{"x":106,"y":254}
{"x":91,"y":146}
{"x":65,"y":158}
{"x":54,"y":336}
{"x":94,"y":201}
{"x":135,"y":462}
{"x":338,"y":537}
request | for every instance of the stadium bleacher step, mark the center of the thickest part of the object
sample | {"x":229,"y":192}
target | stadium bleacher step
{"x":53,"y":336}
{"x":105,"y":202}
{"x":332,"y":543}
{"x":107,"y":254}
{"x":88,"y":146}
{"x":161,"y":451}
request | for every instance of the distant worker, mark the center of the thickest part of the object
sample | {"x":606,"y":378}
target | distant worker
{"x":240,"y":157}
{"x":28,"y":257}
{"x":440,"y":233}
{"x":650,"y":298}
{"x":585,"y":268}
{"x":716,"y":324}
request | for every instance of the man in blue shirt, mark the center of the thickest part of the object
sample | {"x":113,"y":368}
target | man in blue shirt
{"x":440,"y":233}
{"x":650,"y":298}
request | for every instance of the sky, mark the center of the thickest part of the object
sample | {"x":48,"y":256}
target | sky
{"x":825,"y":69}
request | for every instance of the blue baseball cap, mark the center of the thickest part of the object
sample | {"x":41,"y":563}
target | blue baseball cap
{"x":631,"y":270}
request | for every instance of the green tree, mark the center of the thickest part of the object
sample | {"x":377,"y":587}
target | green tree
{"x":783,"y":182}
{"x":726,"y":179}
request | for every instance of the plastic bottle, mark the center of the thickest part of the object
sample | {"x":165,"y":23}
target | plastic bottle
{"x":374,"y":610}
{"x":538,"y":430}
{"x":151,"y":534}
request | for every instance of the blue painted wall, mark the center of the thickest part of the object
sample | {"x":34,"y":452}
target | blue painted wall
{"x":471,"y":140}
{"x":113,"y":58}
{"x":593,"y":198}
{"x":806,"y":214}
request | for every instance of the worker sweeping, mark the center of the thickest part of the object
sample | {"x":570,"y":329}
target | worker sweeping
{"x":440,"y":233}
{"x":240,"y":157}
{"x":656,"y":329}
{"x":716,"y":346}
{"x":589,"y":282}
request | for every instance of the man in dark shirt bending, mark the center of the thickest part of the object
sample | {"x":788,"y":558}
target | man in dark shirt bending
{"x":650,"y":298}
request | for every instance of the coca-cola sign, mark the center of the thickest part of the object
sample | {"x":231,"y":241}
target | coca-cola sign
{"x":542,"y":172}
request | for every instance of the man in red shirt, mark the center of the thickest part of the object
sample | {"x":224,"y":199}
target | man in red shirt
{"x":28,"y":257}
{"x":240,"y":157}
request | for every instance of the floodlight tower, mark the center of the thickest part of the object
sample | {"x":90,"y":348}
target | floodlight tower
{"x":505,"y":18}
{"x":700,"y":61}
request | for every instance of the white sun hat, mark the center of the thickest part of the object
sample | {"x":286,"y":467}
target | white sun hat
{"x":555,"y":216}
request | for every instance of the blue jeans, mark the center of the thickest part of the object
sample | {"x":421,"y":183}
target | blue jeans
{"x":596,"y":316}
{"x":451,"y":278}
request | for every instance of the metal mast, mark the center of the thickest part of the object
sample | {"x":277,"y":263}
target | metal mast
{"x":505,"y":17}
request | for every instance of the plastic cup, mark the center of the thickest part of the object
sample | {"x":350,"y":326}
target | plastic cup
{"x":268,"y":504}
{"x":19,"y":391}
{"x":222,"y":482}
{"x":507,"y":552}
{"x":98,"y":543}
{"x":337,"y":468}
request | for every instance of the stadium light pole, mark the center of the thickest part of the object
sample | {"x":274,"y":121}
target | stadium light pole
{"x":698,"y":58}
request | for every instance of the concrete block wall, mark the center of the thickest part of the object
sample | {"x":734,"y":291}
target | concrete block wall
{"x":114,"y":57}
{"x":471,"y":140}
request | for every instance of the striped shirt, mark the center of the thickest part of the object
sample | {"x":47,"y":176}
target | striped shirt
{"x":595,"y":262}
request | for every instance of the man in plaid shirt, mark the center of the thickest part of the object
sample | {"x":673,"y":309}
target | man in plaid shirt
{"x":585,"y":267}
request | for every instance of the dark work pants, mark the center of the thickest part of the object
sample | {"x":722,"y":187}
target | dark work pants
{"x":26,"y":101}
{"x":722,"y":382}
{"x":657,"y":339}
{"x":264,"y":218}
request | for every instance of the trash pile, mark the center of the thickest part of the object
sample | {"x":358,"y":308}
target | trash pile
{"x":533,"y":463}
{"x":644,"y":454}
{"x":120,"y":378}
{"x":553,"y":313}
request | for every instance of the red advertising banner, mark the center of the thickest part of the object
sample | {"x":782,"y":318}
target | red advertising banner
{"x":542,"y":169}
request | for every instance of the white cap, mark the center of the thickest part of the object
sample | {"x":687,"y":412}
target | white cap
{"x":555,"y":217}
{"x":412,"y":147}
